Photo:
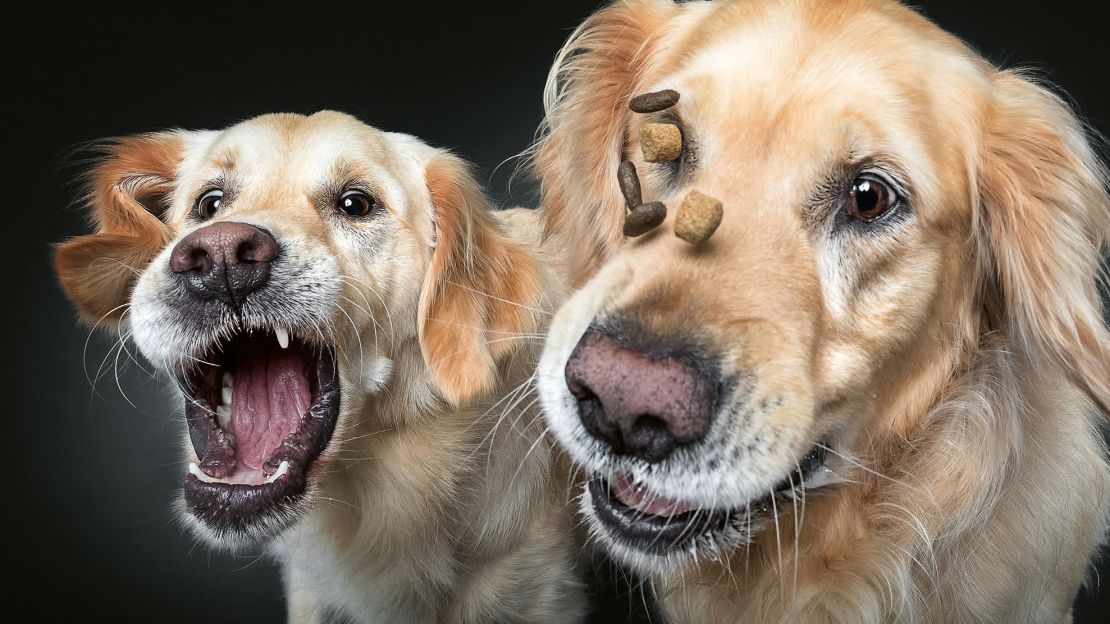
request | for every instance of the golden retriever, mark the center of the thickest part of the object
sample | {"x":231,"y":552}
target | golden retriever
{"x":872,"y":395}
{"x":346,"y":321}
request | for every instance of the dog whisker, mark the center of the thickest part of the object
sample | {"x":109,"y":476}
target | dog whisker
{"x":499,"y":299}
{"x":374,"y":291}
{"x":92,"y":332}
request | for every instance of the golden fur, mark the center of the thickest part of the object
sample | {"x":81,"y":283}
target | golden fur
{"x":433,"y":502}
{"x":952,"y":360}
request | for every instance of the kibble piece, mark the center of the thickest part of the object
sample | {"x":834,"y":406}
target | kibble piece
{"x":654,"y":102}
{"x":660,"y":142}
{"x":645,"y":218}
{"x":630,"y":184}
{"x":698,"y":218}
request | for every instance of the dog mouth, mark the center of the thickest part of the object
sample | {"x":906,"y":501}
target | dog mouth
{"x":642,"y":521}
{"x":260,"y":408}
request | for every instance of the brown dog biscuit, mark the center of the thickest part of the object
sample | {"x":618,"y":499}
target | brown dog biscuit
{"x":660,"y":142}
{"x":645,"y":218}
{"x":698,"y":218}
{"x":654,"y":102}
{"x":630,"y":184}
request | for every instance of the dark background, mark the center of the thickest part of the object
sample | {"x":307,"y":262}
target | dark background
{"x":89,"y":472}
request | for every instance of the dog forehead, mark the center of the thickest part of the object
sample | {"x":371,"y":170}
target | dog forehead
{"x":806,"y":85}
{"x":299,"y":146}
{"x":789,"y":56}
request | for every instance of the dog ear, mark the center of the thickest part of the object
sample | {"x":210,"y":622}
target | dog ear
{"x":598,"y":71}
{"x":481,"y":290}
{"x":128,"y":195}
{"x":1042,"y":223}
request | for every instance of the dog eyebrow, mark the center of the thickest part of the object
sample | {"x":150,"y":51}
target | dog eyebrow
{"x":218,"y":181}
{"x":343,"y":169}
{"x":225,"y":161}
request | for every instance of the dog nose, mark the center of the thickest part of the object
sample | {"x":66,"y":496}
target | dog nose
{"x":638,"y":404}
{"x":226,"y":261}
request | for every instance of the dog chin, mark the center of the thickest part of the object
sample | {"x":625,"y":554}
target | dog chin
{"x":656,"y":534}
{"x":259,"y":532}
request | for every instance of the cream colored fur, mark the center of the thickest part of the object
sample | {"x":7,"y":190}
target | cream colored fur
{"x":437,"y":498}
{"x":953,"y":360}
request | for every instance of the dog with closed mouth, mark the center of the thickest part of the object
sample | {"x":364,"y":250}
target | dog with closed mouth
{"x":349,"y":327}
{"x":872,"y":393}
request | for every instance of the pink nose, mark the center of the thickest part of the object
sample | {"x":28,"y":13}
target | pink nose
{"x":637,"y":403}
{"x":226,"y":261}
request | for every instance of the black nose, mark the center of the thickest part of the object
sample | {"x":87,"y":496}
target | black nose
{"x":226,"y":261}
{"x":639,"y":404}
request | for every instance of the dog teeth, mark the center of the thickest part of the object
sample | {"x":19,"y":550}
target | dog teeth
{"x":282,"y":336}
{"x":198,"y":473}
{"x":195,"y":470}
{"x":225,"y":395}
{"x":229,"y":380}
{"x":223,"y":415}
{"x":282,"y":469}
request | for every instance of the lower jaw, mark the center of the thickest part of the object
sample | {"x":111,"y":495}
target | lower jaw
{"x":662,"y":536}
{"x":697,"y":531}
{"x":238,"y":513}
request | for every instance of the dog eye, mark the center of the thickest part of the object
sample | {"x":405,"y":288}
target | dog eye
{"x":871,"y":199}
{"x":208,"y":204}
{"x":356,"y":203}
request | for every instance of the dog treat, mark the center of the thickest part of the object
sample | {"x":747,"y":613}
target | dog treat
{"x":660,"y":142}
{"x":698,"y":217}
{"x":654,"y":102}
{"x":630,"y":184}
{"x":644,"y":218}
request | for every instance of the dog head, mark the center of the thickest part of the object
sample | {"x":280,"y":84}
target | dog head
{"x":889,"y":199}
{"x":279,"y":271}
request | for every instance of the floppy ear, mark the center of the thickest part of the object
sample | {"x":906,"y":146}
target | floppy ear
{"x":128,"y":194}
{"x":481,"y":290}
{"x":597,"y":72}
{"x":1043,"y":221}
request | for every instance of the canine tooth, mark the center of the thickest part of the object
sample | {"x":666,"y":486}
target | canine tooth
{"x":223,"y":415}
{"x":282,"y":469}
{"x":282,"y":336}
{"x":225,"y":395}
{"x":229,"y":380}
{"x":198,"y":473}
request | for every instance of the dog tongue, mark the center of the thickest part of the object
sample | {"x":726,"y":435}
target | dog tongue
{"x":635,"y":497}
{"x":269,"y":395}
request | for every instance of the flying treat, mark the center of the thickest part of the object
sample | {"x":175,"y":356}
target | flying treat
{"x":698,"y":218}
{"x":630,"y":185}
{"x":644,"y":218}
{"x":660,"y":142}
{"x":654,"y":102}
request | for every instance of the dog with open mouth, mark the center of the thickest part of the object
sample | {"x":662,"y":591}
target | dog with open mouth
{"x":350,"y":331}
{"x":864,"y":385}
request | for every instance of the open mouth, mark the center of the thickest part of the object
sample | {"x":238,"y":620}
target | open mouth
{"x":658,"y":525}
{"x":260,"y":408}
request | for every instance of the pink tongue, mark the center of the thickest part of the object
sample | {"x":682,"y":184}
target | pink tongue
{"x":635,"y":497}
{"x":269,"y":396}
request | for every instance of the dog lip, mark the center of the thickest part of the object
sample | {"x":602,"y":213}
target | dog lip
{"x":650,"y":532}
{"x":235,"y":507}
{"x":679,"y":524}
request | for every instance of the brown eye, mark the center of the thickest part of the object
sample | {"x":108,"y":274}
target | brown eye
{"x":356,"y":203}
{"x":871,"y":199}
{"x":208,"y":204}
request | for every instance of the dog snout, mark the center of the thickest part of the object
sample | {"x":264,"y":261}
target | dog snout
{"x":639,"y":404}
{"x":225,"y":261}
